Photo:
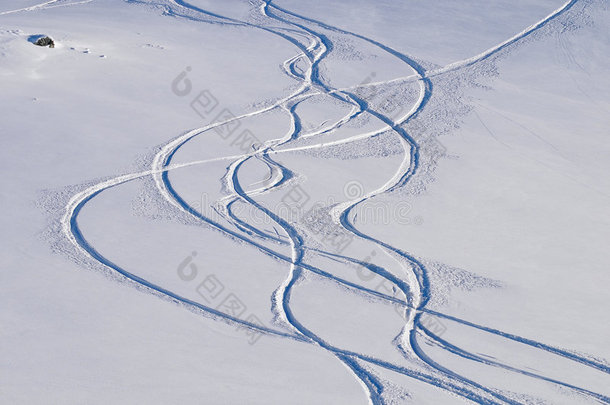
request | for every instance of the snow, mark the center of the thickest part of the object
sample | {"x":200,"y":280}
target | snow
{"x":305,"y":202}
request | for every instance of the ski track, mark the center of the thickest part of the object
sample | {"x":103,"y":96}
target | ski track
{"x":31,"y":8}
{"x":45,"y":5}
{"x":415,"y":286}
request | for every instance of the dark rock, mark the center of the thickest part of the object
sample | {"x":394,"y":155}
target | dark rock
{"x":45,"y":41}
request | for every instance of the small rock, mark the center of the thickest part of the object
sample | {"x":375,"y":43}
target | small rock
{"x":45,"y":41}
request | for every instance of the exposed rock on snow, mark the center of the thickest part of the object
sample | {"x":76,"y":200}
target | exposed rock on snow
{"x":45,"y":41}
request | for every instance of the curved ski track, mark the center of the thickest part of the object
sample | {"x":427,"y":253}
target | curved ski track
{"x":295,"y":28}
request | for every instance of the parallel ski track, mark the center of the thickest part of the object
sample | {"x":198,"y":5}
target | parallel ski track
{"x":416,"y":290}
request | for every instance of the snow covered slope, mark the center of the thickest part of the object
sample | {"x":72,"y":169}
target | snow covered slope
{"x":305,"y":202}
